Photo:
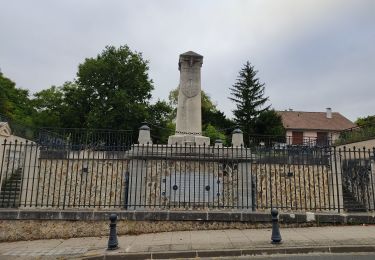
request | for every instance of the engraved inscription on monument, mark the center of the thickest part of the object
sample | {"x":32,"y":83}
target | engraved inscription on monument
{"x":188,"y":82}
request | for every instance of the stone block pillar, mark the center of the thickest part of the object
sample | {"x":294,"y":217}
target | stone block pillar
{"x":189,"y":114}
{"x":237,"y":138}
{"x":144,"y":136}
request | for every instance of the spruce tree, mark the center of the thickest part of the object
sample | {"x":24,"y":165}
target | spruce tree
{"x":248,"y":95}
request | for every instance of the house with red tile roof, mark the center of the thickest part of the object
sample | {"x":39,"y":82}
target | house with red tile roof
{"x":313,"y":128}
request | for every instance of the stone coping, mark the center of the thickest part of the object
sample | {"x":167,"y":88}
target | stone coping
{"x":259,"y":251}
{"x":206,"y":216}
{"x":190,"y":152}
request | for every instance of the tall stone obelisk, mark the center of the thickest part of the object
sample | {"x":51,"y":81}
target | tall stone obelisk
{"x":189,"y":114}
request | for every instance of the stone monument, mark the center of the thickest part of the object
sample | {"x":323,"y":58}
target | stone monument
{"x":189,"y":114}
{"x":188,"y":173}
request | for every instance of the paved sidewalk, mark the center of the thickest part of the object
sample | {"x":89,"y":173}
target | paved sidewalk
{"x":208,"y":243}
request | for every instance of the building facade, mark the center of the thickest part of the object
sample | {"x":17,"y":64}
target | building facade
{"x":313,"y":128}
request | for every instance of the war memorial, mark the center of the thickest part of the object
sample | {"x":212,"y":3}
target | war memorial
{"x":190,"y":172}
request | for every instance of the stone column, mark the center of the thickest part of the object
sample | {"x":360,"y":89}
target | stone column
{"x":189,"y":115}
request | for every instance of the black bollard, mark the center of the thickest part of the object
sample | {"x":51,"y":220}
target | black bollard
{"x":112,"y":241}
{"x":276,"y":237}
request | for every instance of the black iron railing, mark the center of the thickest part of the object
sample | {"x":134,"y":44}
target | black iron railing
{"x":81,"y":138}
{"x":280,"y":142}
{"x":356,"y":134}
{"x":186,"y":177}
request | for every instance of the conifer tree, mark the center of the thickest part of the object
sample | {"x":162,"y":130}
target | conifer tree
{"x":248,"y":95}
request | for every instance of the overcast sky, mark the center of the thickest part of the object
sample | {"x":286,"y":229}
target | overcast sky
{"x":310,"y":54}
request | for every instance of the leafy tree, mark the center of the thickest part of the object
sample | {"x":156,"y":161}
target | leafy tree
{"x":113,"y":90}
{"x":160,"y":120}
{"x":62,"y":106}
{"x":365,"y":131}
{"x":269,"y":123}
{"x":16,"y":108}
{"x":365,"y":121}
{"x":15,"y":102}
{"x":248,"y":95}
{"x":214,"y":134}
{"x":49,"y":106}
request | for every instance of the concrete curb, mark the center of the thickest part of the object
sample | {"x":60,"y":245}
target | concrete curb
{"x":168,"y":215}
{"x":234,"y":252}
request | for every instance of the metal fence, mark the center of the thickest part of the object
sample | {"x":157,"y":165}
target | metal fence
{"x":81,"y":138}
{"x":288,"y":141}
{"x":186,"y":177}
{"x":356,"y":134}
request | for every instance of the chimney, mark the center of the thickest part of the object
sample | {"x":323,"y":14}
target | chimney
{"x":329,"y":112}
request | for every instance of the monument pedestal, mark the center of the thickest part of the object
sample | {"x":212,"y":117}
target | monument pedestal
{"x":193,"y":140}
{"x":188,"y":177}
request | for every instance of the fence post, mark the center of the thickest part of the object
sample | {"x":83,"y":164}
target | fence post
{"x":126,"y":190}
{"x":336,"y":193}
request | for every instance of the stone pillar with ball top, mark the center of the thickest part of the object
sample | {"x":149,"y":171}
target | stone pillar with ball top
{"x":189,"y":115}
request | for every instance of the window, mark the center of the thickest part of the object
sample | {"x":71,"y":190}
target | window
{"x":297,"y":138}
{"x":322,"y":138}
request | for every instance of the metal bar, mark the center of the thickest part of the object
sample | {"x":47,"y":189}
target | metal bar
{"x":38,"y":183}
{"x":337,"y":183}
{"x":12,"y":173}
{"x":102,"y":174}
{"x":28,"y":170}
{"x":61,"y":178}
{"x":2,"y":164}
{"x":49,"y":182}
{"x":372,"y":206}
{"x":34,"y":171}
{"x":367,"y":175}
{"x":96,"y":177}
{"x":295,"y":187}
{"x":76,"y":162}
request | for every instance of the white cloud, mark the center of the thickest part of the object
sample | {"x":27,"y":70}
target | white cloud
{"x":301,"y":48}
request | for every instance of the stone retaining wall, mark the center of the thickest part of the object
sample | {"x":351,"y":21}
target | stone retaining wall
{"x":175,"y":184}
{"x":47,"y":224}
{"x":292,"y":186}
{"x":74,"y":183}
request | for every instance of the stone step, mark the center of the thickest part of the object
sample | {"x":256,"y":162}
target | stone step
{"x":13,"y":176}
{"x":12,"y":184}
{"x":11,"y":181}
{"x":7,"y":202}
{"x":4,"y":205}
{"x":5,"y":193}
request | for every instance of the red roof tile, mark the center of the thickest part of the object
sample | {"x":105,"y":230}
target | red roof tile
{"x":314,"y":121}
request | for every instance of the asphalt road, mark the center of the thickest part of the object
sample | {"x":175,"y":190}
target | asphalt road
{"x":352,"y":256}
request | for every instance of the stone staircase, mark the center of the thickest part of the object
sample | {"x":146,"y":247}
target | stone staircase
{"x":11,"y":190}
{"x":351,"y":204}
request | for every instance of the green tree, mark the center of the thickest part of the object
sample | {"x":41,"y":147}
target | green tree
{"x":113,"y":90}
{"x":365,"y":121}
{"x":49,"y":106}
{"x":160,"y":120}
{"x":248,"y":95}
{"x":214,"y":134}
{"x":15,"y":102}
{"x":269,"y":123}
{"x":64,"y":106}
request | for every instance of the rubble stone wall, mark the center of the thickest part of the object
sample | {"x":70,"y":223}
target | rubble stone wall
{"x":175,"y":184}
